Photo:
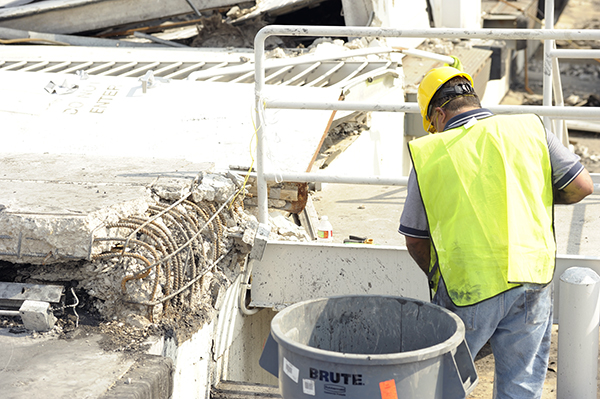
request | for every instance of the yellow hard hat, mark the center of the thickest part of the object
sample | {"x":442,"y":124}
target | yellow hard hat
{"x":433,"y":80}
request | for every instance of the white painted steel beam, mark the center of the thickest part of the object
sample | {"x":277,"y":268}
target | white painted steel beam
{"x":458,"y":33}
{"x":326,"y":178}
{"x":300,"y":177}
{"x":575,"y":53}
{"x":290,"y":272}
{"x":553,"y":112}
{"x":549,"y":45}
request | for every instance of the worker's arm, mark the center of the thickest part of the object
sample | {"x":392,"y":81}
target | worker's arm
{"x":578,"y":189}
{"x":418,"y":248}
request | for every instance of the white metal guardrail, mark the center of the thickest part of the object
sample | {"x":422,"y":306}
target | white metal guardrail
{"x":548,"y":111}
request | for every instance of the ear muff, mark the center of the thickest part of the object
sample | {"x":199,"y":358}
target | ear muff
{"x":431,"y":83}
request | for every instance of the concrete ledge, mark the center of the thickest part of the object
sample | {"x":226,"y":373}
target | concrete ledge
{"x":151,"y":377}
{"x":243,"y":390}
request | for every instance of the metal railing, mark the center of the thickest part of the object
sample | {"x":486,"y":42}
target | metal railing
{"x":547,"y":110}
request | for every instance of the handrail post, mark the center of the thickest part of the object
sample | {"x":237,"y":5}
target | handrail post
{"x":259,"y":79}
{"x":548,"y":47}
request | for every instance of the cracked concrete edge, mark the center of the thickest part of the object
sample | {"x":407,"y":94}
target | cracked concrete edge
{"x":55,"y":238}
{"x":150,"y":377}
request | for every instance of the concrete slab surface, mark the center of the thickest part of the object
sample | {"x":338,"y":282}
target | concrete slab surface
{"x":47,"y":367}
{"x":44,"y":366}
{"x":72,"y":184}
{"x":196,"y":121}
{"x":52,"y":203}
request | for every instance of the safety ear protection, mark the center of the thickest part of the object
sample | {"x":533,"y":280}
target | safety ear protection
{"x":432,"y":128}
{"x":460,"y":89}
{"x":431,"y":83}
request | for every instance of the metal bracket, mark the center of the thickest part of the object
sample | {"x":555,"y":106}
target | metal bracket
{"x":260,"y":241}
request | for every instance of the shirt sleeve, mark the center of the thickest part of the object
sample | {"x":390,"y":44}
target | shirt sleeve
{"x":565,"y":164}
{"x":413,"y":221}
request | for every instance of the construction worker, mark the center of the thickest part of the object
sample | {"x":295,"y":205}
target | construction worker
{"x":478,"y":219}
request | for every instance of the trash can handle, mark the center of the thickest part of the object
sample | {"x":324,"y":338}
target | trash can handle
{"x":460,"y":377}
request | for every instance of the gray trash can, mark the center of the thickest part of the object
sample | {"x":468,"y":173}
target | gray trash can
{"x":359,"y":347}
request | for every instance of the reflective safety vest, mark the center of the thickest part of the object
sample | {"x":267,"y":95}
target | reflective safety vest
{"x":488,"y":196}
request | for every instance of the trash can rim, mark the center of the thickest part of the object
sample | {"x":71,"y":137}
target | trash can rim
{"x":433,"y":351}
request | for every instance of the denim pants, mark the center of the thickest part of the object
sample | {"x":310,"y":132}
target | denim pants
{"x":518,"y":324}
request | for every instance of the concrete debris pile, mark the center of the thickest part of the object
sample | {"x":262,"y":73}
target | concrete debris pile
{"x":186,"y":249}
{"x":169,"y":254}
{"x":282,"y":229}
{"x":282,"y":196}
{"x":181,"y":251}
{"x":584,"y":71}
{"x":214,"y":31}
{"x":440,"y":46}
{"x":346,"y":129}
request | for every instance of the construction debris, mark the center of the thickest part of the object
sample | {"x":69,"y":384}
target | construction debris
{"x":37,"y":316}
{"x":65,"y":16}
{"x":180,"y":248}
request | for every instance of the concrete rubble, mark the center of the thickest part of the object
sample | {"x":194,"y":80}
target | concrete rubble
{"x":115,"y":256}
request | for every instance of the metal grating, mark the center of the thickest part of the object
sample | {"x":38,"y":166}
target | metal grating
{"x":310,"y":74}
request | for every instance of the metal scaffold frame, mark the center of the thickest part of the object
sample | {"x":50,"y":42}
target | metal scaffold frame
{"x":548,"y":111}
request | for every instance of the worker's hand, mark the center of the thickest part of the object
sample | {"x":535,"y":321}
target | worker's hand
{"x":457,"y":64}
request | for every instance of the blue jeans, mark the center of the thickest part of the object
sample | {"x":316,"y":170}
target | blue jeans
{"x":518,"y":324}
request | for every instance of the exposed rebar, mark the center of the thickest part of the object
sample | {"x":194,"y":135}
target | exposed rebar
{"x":176,"y":224}
{"x":150,"y":234}
{"x":170,"y":244}
{"x":198,"y":277}
{"x":211,"y":226}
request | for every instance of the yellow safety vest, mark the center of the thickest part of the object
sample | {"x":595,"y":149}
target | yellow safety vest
{"x":488,"y":196}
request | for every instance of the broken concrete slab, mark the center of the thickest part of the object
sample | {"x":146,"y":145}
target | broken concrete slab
{"x":17,"y":35}
{"x":37,"y":316}
{"x":53,"y":203}
{"x":196,"y":121}
{"x":149,"y":235}
{"x":72,"y":16}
